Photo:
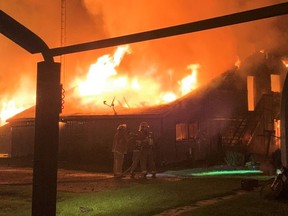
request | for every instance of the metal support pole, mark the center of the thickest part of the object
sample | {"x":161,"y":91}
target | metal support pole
{"x":48,"y":106}
{"x":283,"y":122}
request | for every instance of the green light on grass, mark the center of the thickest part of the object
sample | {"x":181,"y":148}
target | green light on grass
{"x":227,"y":172}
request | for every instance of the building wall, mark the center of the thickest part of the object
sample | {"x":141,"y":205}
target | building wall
{"x":22,"y":140}
{"x":91,"y":140}
{"x":212,"y":114}
{"x":263,"y":142}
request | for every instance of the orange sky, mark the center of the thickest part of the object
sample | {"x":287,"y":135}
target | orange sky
{"x":164,"y":59}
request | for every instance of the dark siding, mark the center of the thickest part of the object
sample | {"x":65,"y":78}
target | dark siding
{"x":22,"y":140}
{"x":91,"y":140}
{"x":5,"y":140}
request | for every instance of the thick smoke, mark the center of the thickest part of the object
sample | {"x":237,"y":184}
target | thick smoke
{"x":215,"y":50}
{"x":165,"y":60}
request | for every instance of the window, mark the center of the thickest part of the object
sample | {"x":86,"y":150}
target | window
{"x":250,"y":94}
{"x":181,"y":131}
{"x":186,"y":131}
{"x":275,"y":83}
{"x":277,"y":132}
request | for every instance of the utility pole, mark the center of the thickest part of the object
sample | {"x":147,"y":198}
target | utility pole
{"x":63,"y":37}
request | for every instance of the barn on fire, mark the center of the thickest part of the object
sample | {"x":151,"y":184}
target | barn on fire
{"x":236,"y":112}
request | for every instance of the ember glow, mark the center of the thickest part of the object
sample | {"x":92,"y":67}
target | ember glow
{"x":103,"y":83}
{"x":285,"y":62}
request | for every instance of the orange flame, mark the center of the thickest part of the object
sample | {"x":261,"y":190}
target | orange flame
{"x":103,"y":83}
{"x":8,"y":110}
{"x":238,"y":63}
{"x":103,"y":72}
{"x":189,"y":82}
{"x":285,"y":62}
{"x":20,"y":100}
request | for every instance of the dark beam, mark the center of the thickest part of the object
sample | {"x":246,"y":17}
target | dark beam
{"x":236,"y":18}
{"x":22,"y":36}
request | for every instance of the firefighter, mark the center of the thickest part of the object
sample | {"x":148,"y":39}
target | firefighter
{"x":136,"y":155}
{"x":145,"y":137}
{"x":119,"y":149}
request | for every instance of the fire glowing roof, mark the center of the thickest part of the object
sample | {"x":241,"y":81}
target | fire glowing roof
{"x":70,"y":112}
{"x":29,"y":114}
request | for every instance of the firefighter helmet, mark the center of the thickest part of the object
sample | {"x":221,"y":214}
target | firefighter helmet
{"x":122,"y":127}
{"x":143,"y":125}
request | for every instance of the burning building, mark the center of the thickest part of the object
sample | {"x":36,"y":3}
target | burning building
{"x":237,"y":111}
{"x":187,"y":122}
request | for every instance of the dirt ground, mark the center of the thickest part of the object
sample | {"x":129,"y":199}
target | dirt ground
{"x":73,"y":180}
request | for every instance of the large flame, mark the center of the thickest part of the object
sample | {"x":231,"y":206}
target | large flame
{"x":103,"y":86}
{"x":9,"y":109}
{"x":16,"y":102}
{"x":102,"y":73}
{"x":103,"y":83}
{"x":189,"y":82}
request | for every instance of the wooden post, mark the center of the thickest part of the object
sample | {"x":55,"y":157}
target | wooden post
{"x":48,"y":106}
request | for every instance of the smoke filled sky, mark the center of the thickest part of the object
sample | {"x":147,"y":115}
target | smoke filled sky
{"x":164,"y":59}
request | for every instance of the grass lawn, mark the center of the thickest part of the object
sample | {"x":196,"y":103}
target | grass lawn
{"x":15,"y":200}
{"x":249,"y":204}
{"x":148,"y":198}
